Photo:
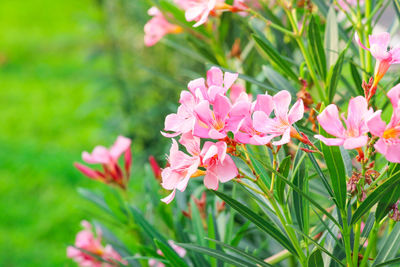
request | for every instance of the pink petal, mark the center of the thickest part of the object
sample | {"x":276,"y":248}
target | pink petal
{"x":214,"y":134}
{"x":281,"y":103}
{"x":198,"y":88}
{"x":120,"y":146}
{"x":357,"y":38}
{"x":100,"y":155}
{"x":215,"y":90}
{"x":296,"y":113}
{"x":330,"y":122}
{"x":394,"y":95}
{"x":381,"y":39}
{"x":209,"y":150}
{"x":264,"y":103}
{"x":357,"y":109}
{"x":87,"y":171}
{"x":236,"y":91}
{"x":375,"y":124}
{"x":211,"y":180}
{"x":193,"y":12}
{"x":285,"y":138}
{"x":169,"y":198}
{"x":395,"y":52}
{"x":262,"y":122}
{"x":222,"y":146}
{"x":204,"y":113}
{"x":229,"y":79}
{"x":191,"y":143}
{"x":355,"y":142}
{"x":393,"y":153}
{"x":262,"y":140}
{"x":214,"y":77}
{"x":330,"y":141}
{"x":222,"y":107}
{"x":225,"y":171}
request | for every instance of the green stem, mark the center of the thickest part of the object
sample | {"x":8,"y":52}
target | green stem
{"x":346,"y":238}
{"x":371,"y":242}
{"x":357,"y":231}
{"x":270,"y":23}
{"x":368,"y":31}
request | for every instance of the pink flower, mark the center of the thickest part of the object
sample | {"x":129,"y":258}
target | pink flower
{"x":345,"y":4}
{"x":281,"y":125}
{"x":179,"y":250}
{"x":182,"y":166}
{"x":223,"y":117}
{"x":85,"y":240}
{"x":156,"y":28}
{"x":389,"y":141}
{"x":247,"y":133}
{"x":213,"y":157}
{"x":355,"y":134}
{"x":219,"y":166}
{"x":238,"y":93}
{"x":384,"y":57}
{"x":108,"y":158}
{"x":184,"y":120}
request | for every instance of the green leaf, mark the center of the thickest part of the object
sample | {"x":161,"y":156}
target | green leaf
{"x":337,"y":172}
{"x":390,"y":247}
{"x":97,"y":199}
{"x":319,"y":246}
{"x":315,"y":259}
{"x":321,"y":175}
{"x":259,"y":169}
{"x":334,"y":75}
{"x":275,"y":58}
{"x":170,"y":254}
{"x":356,"y":79}
{"x":228,"y":258}
{"x":284,"y":169}
{"x":197,"y":224}
{"x":261,"y":223}
{"x":376,"y":195}
{"x":310,"y":199}
{"x":386,"y":203}
{"x":242,"y":253}
{"x":277,"y":80}
{"x":298,"y":203}
{"x":331,"y":38}
{"x":316,"y":47}
{"x":389,"y":262}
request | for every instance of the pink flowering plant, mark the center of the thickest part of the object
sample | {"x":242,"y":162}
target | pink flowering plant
{"x":284,"y":149}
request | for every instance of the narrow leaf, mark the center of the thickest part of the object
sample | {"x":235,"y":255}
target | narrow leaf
{"x":331,"y":38}
{"x":315,"y":259}
{"x":390,"y":247}
{"x":170,"y":255}
{"x":284,"y":169}
{"x":316,"y":47}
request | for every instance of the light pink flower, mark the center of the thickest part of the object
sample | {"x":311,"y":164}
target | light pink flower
{"x":238,"y":93}
{"x":394,"y":96}
{"x":157,"y":27}
{"x":281,"y":125}
{"x":179,"y":250}
{"x":184,"y":120}
{"x":247,"y":133}
{"x":85,"y":240}
{"x":108,"y":158}
{"x":345,"y":4}
{"x":224,"y":117}
{"x":182,"y":166}
{"x":389,"y":141}
{"x":355,"y":134}
{"x":219,"y":166}
{"x":385,"y":57}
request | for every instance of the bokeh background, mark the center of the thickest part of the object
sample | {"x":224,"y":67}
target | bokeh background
{"x":73,"y":74}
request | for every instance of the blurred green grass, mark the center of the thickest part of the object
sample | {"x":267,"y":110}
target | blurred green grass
{"x":52,"y":108}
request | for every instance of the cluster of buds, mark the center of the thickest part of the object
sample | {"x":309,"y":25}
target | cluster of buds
{"x":112,"y":173}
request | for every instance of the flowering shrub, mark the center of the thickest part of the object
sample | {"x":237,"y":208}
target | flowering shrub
{"x":261,"y":130}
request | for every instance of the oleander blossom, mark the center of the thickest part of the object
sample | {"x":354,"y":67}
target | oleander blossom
{"x":200,"y":91}
{"x":157,"y":27}
{"x":355,"y":136}
{"x":389,"y":135}
{"x":380,"y":50}
{"x":108,"y":158}
{"x":179,"y":250}
{"x":87,"y":241}
{"x":281,"y":124}
{"x":216,"y":165}
{"x":200,"y":10}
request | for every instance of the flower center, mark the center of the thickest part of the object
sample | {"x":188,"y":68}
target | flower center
{"x":391,"y":133}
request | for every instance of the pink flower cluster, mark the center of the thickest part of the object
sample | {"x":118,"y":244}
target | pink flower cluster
{"x":361,"y":120}
{"x":180,"y":251}
{"x":112,"y":173}
{"x":86,"y":241}
{"x":207,"y":112}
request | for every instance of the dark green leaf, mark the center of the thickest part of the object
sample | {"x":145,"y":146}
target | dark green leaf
{"x":298,"y":203}
{"x":316,"y":47}
{"x":390,"y":247}
{"x":170,"y":254}
{"x":356,"y":79}
{"x":275,"y":57}
{"x":242,"y":253}
{"x":217,"y":254}
{"x":261,"y":223}
{"x":284,"y":169}
{"x":389,"y":262}
{"x":334,"y":76}
{"x":315,"y":259}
